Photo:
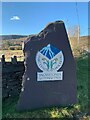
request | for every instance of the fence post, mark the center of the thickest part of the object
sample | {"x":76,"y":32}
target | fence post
{"x":3,"y":59}
{"x":14,"y":59}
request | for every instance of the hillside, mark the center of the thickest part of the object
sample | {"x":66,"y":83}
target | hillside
{"x":11,"y":37}
{"x":14,"y":42}
{"x":14,"y":47}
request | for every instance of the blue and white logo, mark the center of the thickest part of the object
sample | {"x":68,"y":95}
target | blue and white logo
{"x":49,"y":59}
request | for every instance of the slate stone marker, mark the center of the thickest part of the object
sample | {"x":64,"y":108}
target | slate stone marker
{"x":50,"y":71}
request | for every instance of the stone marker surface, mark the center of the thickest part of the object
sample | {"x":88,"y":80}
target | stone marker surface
{"x":50,"y":72}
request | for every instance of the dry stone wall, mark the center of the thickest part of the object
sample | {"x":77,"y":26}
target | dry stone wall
{"x":12,"y":73}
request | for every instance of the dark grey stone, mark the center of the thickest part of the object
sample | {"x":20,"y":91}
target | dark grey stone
{"x":38,"y":94}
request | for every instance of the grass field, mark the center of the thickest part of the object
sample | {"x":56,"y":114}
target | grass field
{"x":75,"y":112}
{"x":9,"y":53}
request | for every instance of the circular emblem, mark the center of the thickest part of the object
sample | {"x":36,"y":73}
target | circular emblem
{"x":49,"y":59}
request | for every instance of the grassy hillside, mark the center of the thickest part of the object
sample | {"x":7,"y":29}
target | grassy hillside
{"x":81,"y":46}
{"x":77,"y":48}
{"x":11,"y":37}
{"x":14,"y":41}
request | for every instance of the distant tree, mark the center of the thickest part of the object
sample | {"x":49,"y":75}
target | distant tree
{"x":74,"y":35}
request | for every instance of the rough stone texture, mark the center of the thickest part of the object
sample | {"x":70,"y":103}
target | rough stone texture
{"x":52,"y":93}
{"x":12,"y":79}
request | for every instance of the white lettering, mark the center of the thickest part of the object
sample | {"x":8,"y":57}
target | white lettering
{"x":50,"y":76}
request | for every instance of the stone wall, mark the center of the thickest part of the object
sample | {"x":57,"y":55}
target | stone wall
{"x":12,"y":73}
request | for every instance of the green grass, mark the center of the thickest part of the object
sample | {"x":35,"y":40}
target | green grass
{"x":77,"y":111}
